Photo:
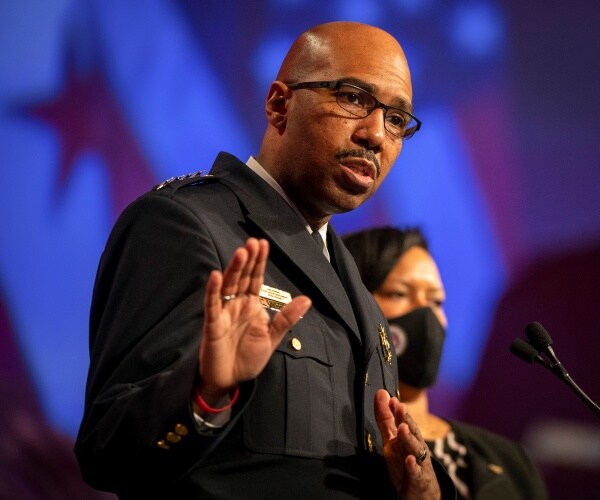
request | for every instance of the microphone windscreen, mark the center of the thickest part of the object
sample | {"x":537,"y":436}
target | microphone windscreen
{"x":538,"y":336}
{"x":524,"y":350}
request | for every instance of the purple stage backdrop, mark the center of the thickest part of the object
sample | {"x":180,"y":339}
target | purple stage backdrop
{"x":100,"y":101}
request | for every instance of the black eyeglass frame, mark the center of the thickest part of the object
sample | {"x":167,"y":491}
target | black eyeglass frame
{"x":336,"y":84}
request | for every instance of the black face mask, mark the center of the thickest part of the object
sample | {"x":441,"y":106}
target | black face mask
{"x":418,"y":339}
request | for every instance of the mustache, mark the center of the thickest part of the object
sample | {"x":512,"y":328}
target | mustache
{"x":367,"y":154}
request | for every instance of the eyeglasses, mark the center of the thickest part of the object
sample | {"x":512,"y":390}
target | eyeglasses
{"x":359,"y":102}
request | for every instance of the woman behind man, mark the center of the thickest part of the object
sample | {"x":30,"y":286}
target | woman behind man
{"x":399,"y":271}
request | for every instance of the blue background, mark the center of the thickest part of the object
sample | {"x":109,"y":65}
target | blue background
{"x":99,"y":101}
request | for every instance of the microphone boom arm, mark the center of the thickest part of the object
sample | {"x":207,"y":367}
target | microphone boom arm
{"x":559,"y":370}
{"x":539,"y":350}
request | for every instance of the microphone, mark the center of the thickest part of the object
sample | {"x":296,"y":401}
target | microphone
{"x":524,"y":350}
{"x":539,"y":350}
{"x":540,"y":339}
{"x":538,"y":336}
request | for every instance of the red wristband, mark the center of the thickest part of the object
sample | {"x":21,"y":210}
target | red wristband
{"x":209,"y":409}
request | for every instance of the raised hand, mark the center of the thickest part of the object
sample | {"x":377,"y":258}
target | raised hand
{"x":239,"y":336}
{"x":402,"y":443}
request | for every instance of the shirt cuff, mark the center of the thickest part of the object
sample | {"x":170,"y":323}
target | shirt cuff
{"x":211,"y":423}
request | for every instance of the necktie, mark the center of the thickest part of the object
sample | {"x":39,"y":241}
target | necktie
{"x":315,"y":235}
{"x":318,"y":239}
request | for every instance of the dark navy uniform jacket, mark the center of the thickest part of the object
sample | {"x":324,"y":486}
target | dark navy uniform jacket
{"x":304,"y":428}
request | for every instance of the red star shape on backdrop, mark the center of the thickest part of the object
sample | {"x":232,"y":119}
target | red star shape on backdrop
{"x":87,"y":117}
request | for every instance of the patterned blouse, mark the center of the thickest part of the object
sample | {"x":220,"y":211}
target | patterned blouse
{"x":453,"y":456}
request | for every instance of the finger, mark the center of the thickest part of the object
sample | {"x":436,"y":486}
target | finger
{"x":413,"y":426}
{"x":212,"y":297}
{"x":408,"y":441}
{"x":410,"y":438}
{"x":402,"y":415}
{"x":414,"y":470}
{"x":289,"y":315}
{"x":258,"y":273}
{"x":422,"y":481}
{"x":233,"y":271}
{"x":386,"y":421}
{"x":398,"y":409}
{"x":253,"y":249}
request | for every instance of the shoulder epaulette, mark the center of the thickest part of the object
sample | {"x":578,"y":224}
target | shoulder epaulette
{"x":192,"y":177}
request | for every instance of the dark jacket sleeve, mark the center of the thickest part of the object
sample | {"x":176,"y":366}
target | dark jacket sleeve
{"x":145,"y":325}
{"x":500,"y":467}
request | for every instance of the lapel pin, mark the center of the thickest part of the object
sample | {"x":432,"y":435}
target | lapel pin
{"x":272,"y":298}
{"x":385,"y":344}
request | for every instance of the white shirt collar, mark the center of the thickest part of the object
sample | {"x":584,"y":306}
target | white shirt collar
{"x":259,"y":170}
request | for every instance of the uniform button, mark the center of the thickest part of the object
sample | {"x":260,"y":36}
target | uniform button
{"x":162,"y":444}
{"x":173,"y":438}
{"x":369,"y":442}
{"x":296,"y":344}
{"x":181,"y":429}
{"x":496,"y":469}
{"x":366,"y":378}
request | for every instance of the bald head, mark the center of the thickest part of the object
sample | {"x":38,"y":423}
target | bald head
{"x":314,"y":53}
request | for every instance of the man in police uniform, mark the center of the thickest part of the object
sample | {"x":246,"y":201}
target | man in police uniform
{"x":234,"y":350}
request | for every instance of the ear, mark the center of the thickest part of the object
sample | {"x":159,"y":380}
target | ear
{"x":276,"y":105}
